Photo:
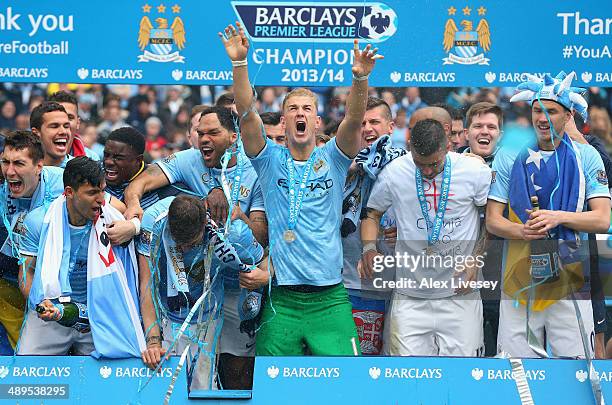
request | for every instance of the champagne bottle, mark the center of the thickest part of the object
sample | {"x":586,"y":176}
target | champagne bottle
{"x":544,"y":256}
{"x":72,"y":315}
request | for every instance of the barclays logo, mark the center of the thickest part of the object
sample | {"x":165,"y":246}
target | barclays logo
{"x":106,"y":371}
{"x":374,"y":372}
{"x":273,"y":372}
{"x":414,"y":373}
{"x":492,"y":374}
{"x":316,"y":22}
{"x":4,"y":371}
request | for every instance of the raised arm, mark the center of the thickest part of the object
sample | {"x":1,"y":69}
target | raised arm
{"x":151,"y":179}
{"x":349,"y":131}
{"x":237,"y":48}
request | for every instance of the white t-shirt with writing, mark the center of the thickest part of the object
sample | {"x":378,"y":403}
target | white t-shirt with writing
{"x":429,"y":275}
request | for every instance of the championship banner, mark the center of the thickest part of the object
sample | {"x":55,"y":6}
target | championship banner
{"x":305,"y":43}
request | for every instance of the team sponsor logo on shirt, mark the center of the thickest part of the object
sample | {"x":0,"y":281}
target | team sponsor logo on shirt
{"x":316,"y":188}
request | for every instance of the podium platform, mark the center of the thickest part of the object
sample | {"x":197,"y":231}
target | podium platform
{"x":303,"y":380}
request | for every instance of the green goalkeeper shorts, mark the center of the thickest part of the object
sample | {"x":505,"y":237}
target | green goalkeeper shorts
{"x":320,"y":323}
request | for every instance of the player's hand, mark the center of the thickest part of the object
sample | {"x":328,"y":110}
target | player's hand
{"x":528,"y":233}
{"x":51,"y":313}
{"x":133,"y":211}
{"x":365,"y":267}
{"x":364,"y":60}
{"x":217,"y":203}
{"x":153,"y":355}
{"x":543,"y":221}
{"x":120,"y":231}
{"x":237,"y":213}
{"x":469,"y":273}
{"x":253,"y":279}
{"x":235,"y":42}
{"x":390,"y":236}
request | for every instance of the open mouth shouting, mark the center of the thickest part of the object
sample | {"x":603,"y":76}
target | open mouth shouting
{"x":370,"y":139}
{"x":111,"y":175}
{"x":300,"y":127}
{"x":15,"y":187}
{"x":208,"y":153}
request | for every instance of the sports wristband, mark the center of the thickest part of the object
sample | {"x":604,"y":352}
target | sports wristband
{"x":369,"y":246}
{"x":360,"y":78}
{"x":136,"y":223}
{"x":238,"y":63}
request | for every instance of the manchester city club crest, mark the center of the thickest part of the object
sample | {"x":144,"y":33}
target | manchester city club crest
{"x":467,"y":46}
{"x":161,"y":43}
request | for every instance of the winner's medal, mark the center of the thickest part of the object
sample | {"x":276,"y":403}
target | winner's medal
{"x":296,"y":194}
{"x":289,"y":236}
{"x":438,"y":224}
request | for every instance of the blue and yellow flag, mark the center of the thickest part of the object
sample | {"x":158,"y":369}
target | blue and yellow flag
{"x":558,"y":175}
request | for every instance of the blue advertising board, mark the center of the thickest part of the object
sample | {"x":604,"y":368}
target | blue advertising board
{"x":305,"y":380}
{"x":305,"y":43}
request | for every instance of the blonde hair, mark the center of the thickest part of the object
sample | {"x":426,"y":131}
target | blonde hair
{"x":301,"y":92}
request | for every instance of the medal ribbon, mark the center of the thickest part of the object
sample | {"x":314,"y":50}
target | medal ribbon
{"x":296,"y":192}
{"x":436,"y":227}
{"x":231,"y":195}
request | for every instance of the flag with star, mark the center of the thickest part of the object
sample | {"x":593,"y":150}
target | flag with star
{"x":562,"y":177}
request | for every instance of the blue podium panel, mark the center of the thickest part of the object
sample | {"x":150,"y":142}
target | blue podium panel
{"x":303,"y":380}
{"x":84,"y":380}
{"x":420,"y":380}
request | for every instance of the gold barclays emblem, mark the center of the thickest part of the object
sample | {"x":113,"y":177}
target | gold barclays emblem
{"x":463,"y":46}
{"x":161,"y":44}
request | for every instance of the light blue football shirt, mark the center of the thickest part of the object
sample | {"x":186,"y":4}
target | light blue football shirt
{"x":315,"y":257}
{"x":187,"y":167}
{"x":79,"y":242}
{"x":51,"y":185}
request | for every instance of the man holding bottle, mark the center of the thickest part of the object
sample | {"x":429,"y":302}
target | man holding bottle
{"x":563,"y":177}
{"x":70,"y":262}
